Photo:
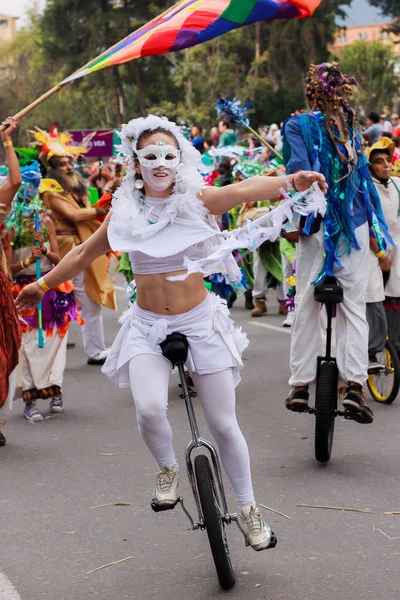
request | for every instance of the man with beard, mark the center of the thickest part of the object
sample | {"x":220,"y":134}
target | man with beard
{"x":75,"y":222}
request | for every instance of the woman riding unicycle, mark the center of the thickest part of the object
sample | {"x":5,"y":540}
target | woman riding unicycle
{"x":162,"y":216}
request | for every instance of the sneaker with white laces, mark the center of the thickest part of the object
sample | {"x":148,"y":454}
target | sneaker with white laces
{"x":31,"y":412}
{"x":57,"y":404}
{"x":167,"y":484}
{"x":257,"y":533}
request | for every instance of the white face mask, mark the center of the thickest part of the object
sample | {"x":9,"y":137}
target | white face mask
{"x":159,"y":164}
{"x":159,"y":155}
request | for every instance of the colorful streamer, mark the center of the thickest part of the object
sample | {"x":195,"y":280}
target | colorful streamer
{"x":192,"y":22}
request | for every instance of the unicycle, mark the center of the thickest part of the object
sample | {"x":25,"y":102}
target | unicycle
{"x":330,"y":294}
{"x":384,"y":381}
{"x":205,"y":477}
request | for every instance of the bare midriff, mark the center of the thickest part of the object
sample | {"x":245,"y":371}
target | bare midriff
{"x":159,"y":295}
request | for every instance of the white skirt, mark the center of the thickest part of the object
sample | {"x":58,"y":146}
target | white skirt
{"x":215,"y":344}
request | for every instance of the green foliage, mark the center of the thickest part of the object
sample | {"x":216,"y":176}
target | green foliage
{"x":373,"y":67}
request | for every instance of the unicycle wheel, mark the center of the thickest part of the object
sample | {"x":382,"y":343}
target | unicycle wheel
{"x":384,"y":384}
{"x":214,"y":523}
{"x":325,"y":407}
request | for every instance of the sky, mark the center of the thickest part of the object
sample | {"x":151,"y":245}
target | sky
{"x":360,"y":12}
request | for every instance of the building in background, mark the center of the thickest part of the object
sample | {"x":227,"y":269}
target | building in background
{"x":365,"y":33}
{"x":8,"y":29}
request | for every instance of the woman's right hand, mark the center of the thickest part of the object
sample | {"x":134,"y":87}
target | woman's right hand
{"x":29,"y":297}
{"x":303,"y":180}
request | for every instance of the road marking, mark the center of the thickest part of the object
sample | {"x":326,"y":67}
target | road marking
{"x":7,"y":590}
{"x":273,"y":327}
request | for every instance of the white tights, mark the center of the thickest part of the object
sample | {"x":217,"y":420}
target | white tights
{"x":149,"y":377}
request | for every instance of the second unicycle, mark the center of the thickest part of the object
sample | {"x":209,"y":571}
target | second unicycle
{"x":329,"y":293}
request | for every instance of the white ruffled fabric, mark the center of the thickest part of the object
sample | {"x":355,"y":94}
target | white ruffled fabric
{"x":254,"y":233}
{"x":215,"y":344}
{"x":184,"y":220}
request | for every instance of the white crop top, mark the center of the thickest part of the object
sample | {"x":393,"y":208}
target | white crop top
{"x":143,"y":264}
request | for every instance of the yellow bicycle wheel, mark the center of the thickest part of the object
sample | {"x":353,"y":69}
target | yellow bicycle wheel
{"x":384,"y":384}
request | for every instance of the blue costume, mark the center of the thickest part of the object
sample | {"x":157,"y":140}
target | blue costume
{"x":352,"y":197}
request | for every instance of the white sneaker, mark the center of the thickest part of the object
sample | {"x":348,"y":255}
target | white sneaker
{"x":167,"y":485}
{"x":258,"y":534}
{"x":288,"y":322}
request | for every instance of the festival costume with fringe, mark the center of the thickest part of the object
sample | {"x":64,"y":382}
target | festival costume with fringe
{"x":180,"y":230}
{"x":352,"y":198}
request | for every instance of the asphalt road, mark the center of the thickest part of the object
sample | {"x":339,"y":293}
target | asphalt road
{"x":52,"y":474}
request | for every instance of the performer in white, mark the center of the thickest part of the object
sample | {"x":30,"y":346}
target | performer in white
{"x":162,"y":216}
{"x":383,"y":302}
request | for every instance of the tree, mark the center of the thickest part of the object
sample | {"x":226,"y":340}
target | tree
{"x":391,"y":10}
{"x":295,"y":44}
{"x":76,"y":31}
{"x":372,"y":65}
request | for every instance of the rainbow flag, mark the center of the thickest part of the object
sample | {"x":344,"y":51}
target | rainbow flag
{"x":192,"y":22}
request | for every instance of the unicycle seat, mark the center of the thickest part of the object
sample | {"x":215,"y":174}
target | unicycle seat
{"x":328,"y":290}
{"x":175,"y":348}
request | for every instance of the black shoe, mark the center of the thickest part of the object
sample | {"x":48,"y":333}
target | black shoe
{"x":70,"y":345}
{"x":96,"y":361}
{"x":356,"y":406}
{"x":231,"y":299}
{"x":248,"y":304}
{"x":3,"y":440}
{"x":297,"y":401}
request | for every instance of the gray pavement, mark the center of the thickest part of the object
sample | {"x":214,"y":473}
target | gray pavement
{"x":51,"y":474}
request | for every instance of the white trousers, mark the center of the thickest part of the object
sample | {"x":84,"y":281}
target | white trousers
{"x":149,"y":378}
{"x":92,"y":330}
{"x":351,"y":321}
{"x":260,"y":287}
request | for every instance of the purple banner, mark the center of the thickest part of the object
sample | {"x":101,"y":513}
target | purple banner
{"x":100,"y":142}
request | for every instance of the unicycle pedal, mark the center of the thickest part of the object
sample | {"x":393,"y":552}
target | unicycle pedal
{"x":352,"y":415}
{"x":162,"y":507}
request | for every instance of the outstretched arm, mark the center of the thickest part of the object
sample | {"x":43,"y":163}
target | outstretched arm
{"x":255,"y":189}
{"x":71,"y":265}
